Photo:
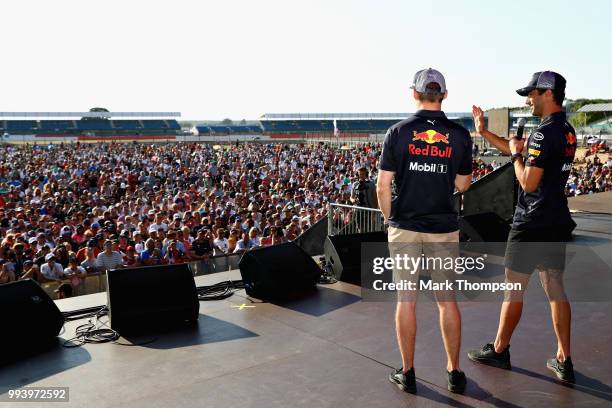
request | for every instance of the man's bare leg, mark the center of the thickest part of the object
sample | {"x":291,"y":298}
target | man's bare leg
{"x":560,"y":310}
{"x":511,"y":310}
{"x":450,"y":326}
{"x":405,"y":327}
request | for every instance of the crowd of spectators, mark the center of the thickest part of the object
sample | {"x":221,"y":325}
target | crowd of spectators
{"x":594,"y":176}
{"x":67,"y":211}
{"x":588,"y":176}
{"x":480,"y":168}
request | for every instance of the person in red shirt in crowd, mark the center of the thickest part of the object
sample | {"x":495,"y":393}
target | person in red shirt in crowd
{"x":94,"y":229}
{"x":132,"y":180}
{"x":124,"y":243}
{"x":267,"y":238}
{"x":182,"y":236}
{"x":174,"y":255}
{"x":130,"y":259}
{"x":91,"y":244}
{"x":79,"y":235}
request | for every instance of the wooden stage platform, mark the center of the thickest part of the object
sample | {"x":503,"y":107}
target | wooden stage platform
{"x":329,"y":350}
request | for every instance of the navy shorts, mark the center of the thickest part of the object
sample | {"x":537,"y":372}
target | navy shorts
{"x":538,"y":248}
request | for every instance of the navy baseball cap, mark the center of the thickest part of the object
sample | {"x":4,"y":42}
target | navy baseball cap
{"x":543,"y":80}
{"x":425,"y":77}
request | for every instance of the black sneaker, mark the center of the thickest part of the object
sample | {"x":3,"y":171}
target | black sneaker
{"x":405,"y":381}
{"x":488,"y":356}
{"x":456,"y":381}
{"x":563,"y":370}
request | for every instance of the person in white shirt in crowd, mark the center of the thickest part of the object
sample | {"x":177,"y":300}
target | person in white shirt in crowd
{"x":108,"y":259}
{"x":159,"y":224}
{"x":221,"y":244}
{"x":295,"y":222}
{"x":254,"y":237}
{"x":176,"y":222}
{"x":51,"y":269}
{"x":244,"y":244}
{"x":41,"y":241}
{"x":139,"y":245}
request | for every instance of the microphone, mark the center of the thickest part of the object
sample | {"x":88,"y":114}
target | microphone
{"x":521,"y":128}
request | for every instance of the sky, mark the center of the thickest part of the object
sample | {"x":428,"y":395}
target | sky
{"x":241,"y":59}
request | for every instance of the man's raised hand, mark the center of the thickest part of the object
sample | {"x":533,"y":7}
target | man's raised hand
{"x":479,"y":122}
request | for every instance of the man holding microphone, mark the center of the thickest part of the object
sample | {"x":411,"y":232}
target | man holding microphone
{"x":428,"y":156}
{"x":541,"y":216}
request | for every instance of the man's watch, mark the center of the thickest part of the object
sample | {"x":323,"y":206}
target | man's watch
{"x":515,"y":157}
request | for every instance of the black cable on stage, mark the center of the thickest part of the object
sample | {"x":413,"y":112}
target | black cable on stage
{"x":91,"y":332}
{"x":96,"y":331}
{"x":219,"y":291}
{"x":84,"y":313}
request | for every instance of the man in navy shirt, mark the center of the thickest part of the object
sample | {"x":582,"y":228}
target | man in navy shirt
{"x":428,"y":156}
{"x":541,"y":216}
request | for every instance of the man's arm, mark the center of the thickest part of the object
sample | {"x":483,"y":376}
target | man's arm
{"x":500,"y":143}
{"x":463,"y":178}
{"x":386,"y":171}
{"x":371,"y":191}
{"x":529,"y":177}
{"x":119,"y":261}
{"x":463,"y":182}
{"x":98,"y":264}
{"x":383,"y":192}
{"x":353,"y":196}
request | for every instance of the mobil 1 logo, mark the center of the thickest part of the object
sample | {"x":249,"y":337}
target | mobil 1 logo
{"x":428,"y":167}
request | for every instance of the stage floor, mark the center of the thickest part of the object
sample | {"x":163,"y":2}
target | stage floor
{"x":329,"y":350}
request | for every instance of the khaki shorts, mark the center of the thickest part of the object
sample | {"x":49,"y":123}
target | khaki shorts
{"x":433,"y":249}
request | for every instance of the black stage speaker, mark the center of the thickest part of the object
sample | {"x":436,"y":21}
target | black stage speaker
{"x":343,"y":254}
{"x":486,"y":227}
{"x":278,"y":272}
{"x":152,"y":297}
{"x":28,"y":316}
{"x":494,"y":193}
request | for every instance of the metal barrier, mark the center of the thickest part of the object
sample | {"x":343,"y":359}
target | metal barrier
{"x":345,"y":219}
{"x":498,"y":187}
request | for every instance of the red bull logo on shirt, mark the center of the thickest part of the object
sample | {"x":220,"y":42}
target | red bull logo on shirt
{"x":570,"y":138}
{"x":430,"y":137}
{"x":430,"y":150}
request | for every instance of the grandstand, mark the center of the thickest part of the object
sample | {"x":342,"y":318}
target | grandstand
{"x":322,"y":126}
{"x":91,"y":125}
{"x":126,"y":126}
{"x":359,"y":123}
{"x":95,"y":127}
{"x":226,"y":130}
